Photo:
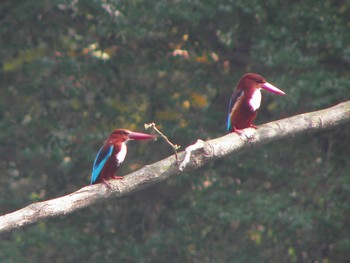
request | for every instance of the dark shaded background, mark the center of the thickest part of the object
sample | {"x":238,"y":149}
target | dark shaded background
{"x":72,"y":71}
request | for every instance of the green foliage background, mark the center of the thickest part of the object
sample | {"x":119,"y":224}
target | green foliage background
{"x":72,"y":71}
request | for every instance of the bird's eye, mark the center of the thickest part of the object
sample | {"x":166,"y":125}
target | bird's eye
{"x":259,"y":81}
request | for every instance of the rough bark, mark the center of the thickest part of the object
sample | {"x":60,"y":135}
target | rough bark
{"x":199,"y":153}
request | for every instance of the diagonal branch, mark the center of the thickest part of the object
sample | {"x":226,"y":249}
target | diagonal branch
{"x":197,"y":155}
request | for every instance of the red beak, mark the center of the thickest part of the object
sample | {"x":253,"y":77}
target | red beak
{"x":140,"y":136}
{"x":269,"y":87}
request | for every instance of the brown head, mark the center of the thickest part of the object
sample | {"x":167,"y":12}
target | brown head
{"x":122,"y":135}
{"x":251,"y":82}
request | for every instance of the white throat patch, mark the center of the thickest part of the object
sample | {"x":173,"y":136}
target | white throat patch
{"x":255,"y":101}
{"x":120,"y":156}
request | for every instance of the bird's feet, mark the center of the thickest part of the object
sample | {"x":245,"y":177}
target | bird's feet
{"x":248,"y":133}
{"x":106,"y":183}
{"x":238,"y":131}
{"x":117,"y":177}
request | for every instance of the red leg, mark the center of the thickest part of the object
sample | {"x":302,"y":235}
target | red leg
{"x":248,"y":134}
{"x":106,"y":183}
{"x":117,"y":177}
{"x":239,"y":131}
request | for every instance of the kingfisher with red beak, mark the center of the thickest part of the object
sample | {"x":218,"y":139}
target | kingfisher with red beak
{"x":112,"y":154}
{"x":245,"y":102}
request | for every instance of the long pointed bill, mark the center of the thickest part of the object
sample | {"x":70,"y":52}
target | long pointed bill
{"x":269,"y":87}
{"x":140,"y":136}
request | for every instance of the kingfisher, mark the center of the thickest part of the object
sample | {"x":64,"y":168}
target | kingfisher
{"x":112,"y":154}
{"x":245,"y":102}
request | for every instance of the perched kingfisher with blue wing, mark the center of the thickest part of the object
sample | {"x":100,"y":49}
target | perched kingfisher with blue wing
{"x":112,"y":154}
{"x":245,"y":102}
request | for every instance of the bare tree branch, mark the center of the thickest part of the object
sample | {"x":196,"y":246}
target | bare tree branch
{"x":201,"y":153}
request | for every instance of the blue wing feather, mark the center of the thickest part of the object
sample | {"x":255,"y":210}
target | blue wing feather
{"x":101,"y":158}
{"x":234,"y":98}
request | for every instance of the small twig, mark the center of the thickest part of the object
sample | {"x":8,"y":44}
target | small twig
{"x":174,"y":146}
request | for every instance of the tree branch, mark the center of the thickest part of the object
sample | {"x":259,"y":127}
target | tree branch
{"x":197,"y":155}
